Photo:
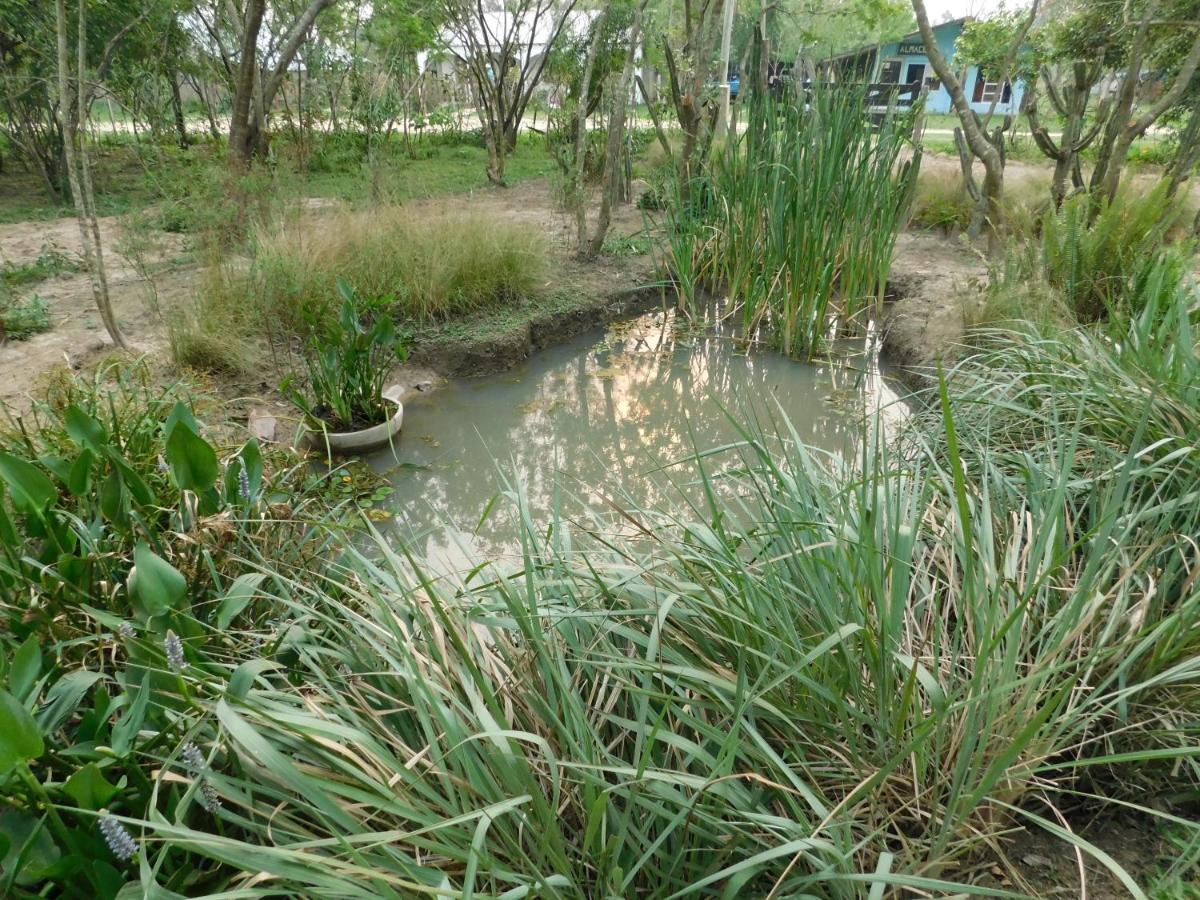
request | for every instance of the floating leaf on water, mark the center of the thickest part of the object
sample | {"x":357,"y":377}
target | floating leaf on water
{"x":610,"y":372}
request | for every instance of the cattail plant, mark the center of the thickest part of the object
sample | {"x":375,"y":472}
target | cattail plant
{"x":797,"y":219}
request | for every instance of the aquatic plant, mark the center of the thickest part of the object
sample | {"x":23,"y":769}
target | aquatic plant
{"x":831,"y":679}
{"x":796,"y":219}
{"x":348,"y":364}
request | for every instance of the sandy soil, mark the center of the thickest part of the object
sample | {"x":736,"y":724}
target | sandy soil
{"x":78,"y":337}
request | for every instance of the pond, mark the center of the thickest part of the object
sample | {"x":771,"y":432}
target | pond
{"x":609,"y":420}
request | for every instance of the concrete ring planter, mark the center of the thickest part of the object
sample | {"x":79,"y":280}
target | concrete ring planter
{"x":346,"y":443}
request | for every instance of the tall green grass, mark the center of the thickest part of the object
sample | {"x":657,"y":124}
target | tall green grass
{"x":832,"y":678}
{"x":1082,"y":265}
{"x":796,"y":217}
{"x":420,"y":264}
{"x":1094,"y":260}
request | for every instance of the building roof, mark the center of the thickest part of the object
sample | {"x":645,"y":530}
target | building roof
{"x":961,"y":20}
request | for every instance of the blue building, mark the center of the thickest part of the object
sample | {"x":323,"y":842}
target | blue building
{"x":904,"y":61}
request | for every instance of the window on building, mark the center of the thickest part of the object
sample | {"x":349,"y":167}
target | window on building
{"x":987,"y":90}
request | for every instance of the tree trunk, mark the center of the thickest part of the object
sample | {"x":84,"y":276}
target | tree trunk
{"x":241,"y":140}
{"x":1187,"y":156}
{"x":496,"y":156}
{"x":616,"y":138}
{"x":974,"y":135}
{"x":73,"y":113}
{"x":254,"y":88}
{"x":1123,"y":129}
{"x":579,"y":163}
{"x":177,"y":109}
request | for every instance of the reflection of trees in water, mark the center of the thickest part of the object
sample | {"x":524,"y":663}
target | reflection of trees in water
{"x":604,"y":422}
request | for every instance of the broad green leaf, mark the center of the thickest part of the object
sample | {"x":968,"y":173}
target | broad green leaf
{"x":155,"y":586}
{"x":20,"y":738}
{"x":131,"y":722}
{"x":85,"y":430}
{"x":59,"y":466}
{"x":30,"y":489}
{"x":134,"y":483}
{"x":79,"y":479}
{"x":181,"y":412}
{"x":26,"y":665}
{"x":240,"y":593}
{"x":243,"y":676}
{"x":29,"y":847}
{"x":192,"y":459}
{"x":253,"y":461}
{"x":114,"y":502}
{"x":89,"y":789}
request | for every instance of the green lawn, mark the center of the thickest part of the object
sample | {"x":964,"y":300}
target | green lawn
{"x":131,"y":176}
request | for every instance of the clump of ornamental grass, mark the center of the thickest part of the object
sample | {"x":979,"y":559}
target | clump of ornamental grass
{"x":831,"y":678}
{"x":423,"y":264}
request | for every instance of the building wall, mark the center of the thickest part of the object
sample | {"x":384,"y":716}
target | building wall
{"x":911,"y":51}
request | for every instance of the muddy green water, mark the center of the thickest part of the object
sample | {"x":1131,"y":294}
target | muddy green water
{"x":612,"y":415}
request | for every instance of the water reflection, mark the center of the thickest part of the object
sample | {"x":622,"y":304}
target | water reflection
{"x":610,"y":415}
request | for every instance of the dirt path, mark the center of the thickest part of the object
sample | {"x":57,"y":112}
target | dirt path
{"x":934,"y":278}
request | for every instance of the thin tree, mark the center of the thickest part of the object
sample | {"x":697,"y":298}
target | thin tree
{"x":498,"y":47}
{"x":578,"y":188}
{"x":687,"y":83}
{"x":1123,"y":127}
{"x":614,"y":152}
{"x":1187,"y":156}
{"x":73,"y":107}
{"x":988,"y":148}
{"x":1070,"y":100}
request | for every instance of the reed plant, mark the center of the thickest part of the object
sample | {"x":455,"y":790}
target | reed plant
{"x":828,"y":678}
{"x":796,"y":217}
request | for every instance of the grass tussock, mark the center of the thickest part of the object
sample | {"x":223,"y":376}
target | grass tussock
{"x":1088,"y":264}
{"x":422,"y":265}
{"x":941,"y":203}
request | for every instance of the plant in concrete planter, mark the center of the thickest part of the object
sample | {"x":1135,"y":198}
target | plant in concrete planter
{"x":348,"y":367}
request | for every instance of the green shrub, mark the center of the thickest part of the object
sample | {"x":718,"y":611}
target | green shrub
{"x":100,"y":468}
{"x":348,"y":366}
{"x":22,"y":319}
{"x":941,"y":203}
{"x":50,"y":262}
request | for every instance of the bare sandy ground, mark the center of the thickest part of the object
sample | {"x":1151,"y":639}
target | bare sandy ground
{"x":78,"y":338}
